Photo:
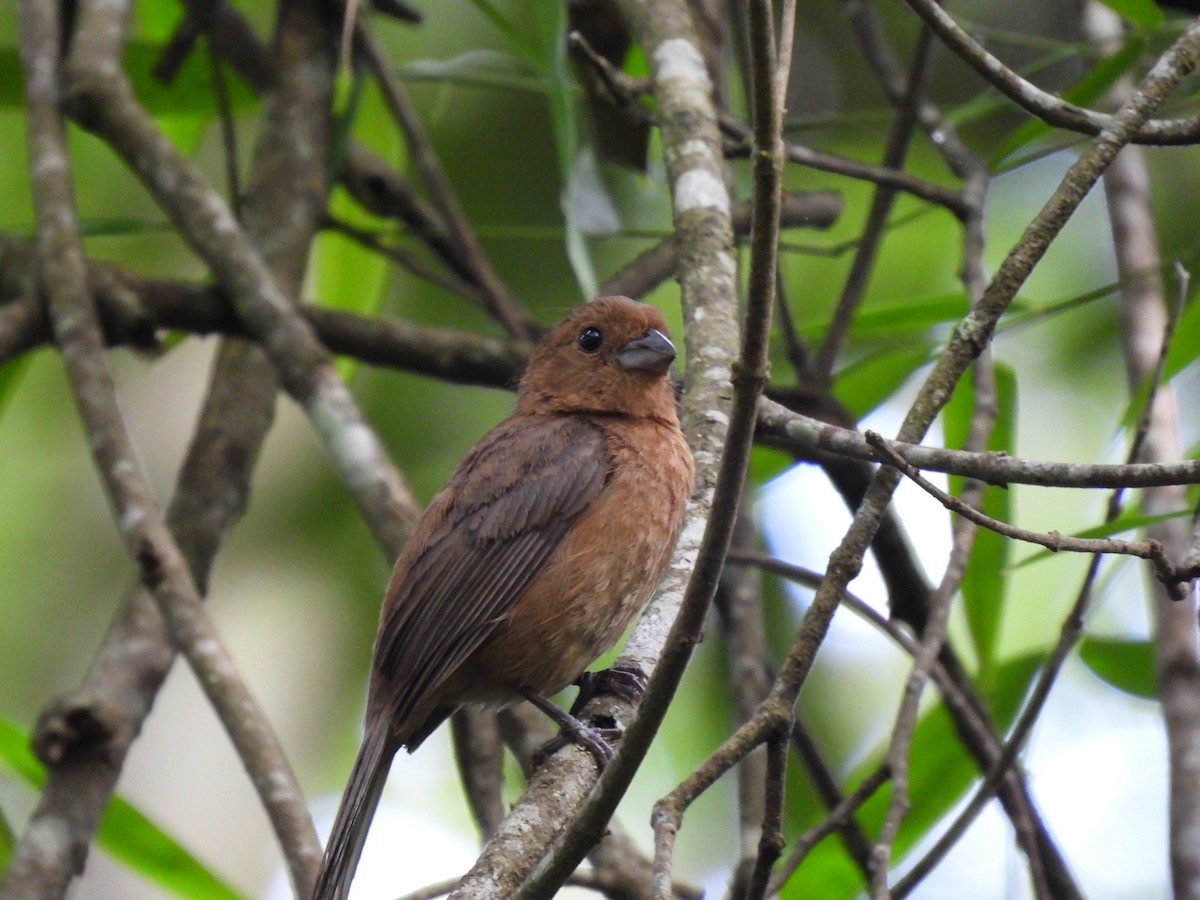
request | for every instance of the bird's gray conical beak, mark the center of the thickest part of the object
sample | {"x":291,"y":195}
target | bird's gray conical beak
{"x":652,"y":352}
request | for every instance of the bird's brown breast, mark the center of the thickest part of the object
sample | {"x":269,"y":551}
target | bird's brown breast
{"x":602,"y":573}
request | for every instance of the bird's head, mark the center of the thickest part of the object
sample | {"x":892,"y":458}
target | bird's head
{"x":610,"y":356}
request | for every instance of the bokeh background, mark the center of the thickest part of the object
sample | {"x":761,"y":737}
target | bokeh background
{"x":296,"y":589}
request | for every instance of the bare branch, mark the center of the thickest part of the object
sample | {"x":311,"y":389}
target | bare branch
{"x":162,"y":567}
{"x":499,"y":303}
{"x":1053,"y":541}
{"x":1051,"y":109}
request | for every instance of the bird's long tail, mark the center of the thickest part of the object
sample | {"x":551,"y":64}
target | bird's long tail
{"x":354,"y":815}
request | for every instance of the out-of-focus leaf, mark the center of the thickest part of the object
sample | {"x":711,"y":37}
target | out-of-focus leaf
{"x":346,"y":274}
{"x":126,"y":834}
{"x":1130,"y":520}
{"x":588,"y":198}
{"x":988,"y":101}
{"x":184,"y":131}
{"x":1083,"y":93}
{"x":1026,"y":313}
{"x":516,"y":36}
{"x":1145,"y":13}
{"x":7,"y":839}
{"x":560,"y":81}
{"x":156,"y":21}
{"x":94,"y":226}
{"x":866,"y":383}
{"x":1127,"y":665}
{"x":634,"y":65}
{"x":1005,"y":686}
{"x":480,"y":68}
{"x":1185,"y":344}
{"x":940,"y":772}
{"x":766,"y":463}
{"x":893,"y":321}
{"x":985,"y":583}
{"x":11,"y":374}
{"x":189,"y":92}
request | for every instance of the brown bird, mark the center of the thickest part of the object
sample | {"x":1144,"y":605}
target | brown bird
{"x":548,"y":539}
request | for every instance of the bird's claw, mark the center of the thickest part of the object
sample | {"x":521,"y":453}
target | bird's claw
{"x":596,"y":739}
{"x":627,"y":682}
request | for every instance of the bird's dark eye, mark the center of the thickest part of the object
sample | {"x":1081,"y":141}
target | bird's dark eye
{"x":590,"y":339}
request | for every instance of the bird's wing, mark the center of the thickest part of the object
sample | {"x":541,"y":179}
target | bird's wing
{"x":498,"y":520}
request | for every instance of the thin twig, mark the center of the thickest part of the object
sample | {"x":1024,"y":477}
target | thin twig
{"x":836,"y":819}
{"x":739,"y":605}
{"x":770,"y":845}
{"x":229,"y":144}
{"x":499,"y":303}
{"x":162,"y":566}
{"x":1051,"y":109}
{"x":882,"y":199}
{"x":1149,"y":549}
{"x":104,"y":102}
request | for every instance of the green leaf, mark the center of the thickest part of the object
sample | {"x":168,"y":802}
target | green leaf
{"x":11,"y":374}
{"x":895,"y":320}
{"x":516,"y":36}
{"x":347,"y":275}
{"x":1083,"y":93}
{"x":1127,"y":665}
{"x":1185,"y":344}
{"x":7,"y":840}
{"x":477,"y":68}
{"x":940,"y":773}
{"x":985,"y":583}
{"x":1144,"y":13}
{"x":1129,"y":520}
{"x":766,"y":463}
{"x":574,"y":171}
{"x":125,"y":833}
{"x":190,"y":92}
{"x":866,"y":383}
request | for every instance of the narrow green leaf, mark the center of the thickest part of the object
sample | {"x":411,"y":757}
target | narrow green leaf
{"x":477,"y":68}
{"x":1144,"y":13}
{"x":866,"y":383}
{"x":11,"y":374}
{"x":940,"y":774}
{"x":525,"y":48}
{"x":766,"y":463}
{"x":126,"y":834}
{"x":1127,"y":665}
{"x":561,"y":93}
{"x":895,"y":320}
{"x":985,"y":583}
{"x":634,"y":64}
{"x":7,"y":840}
{"x":1185,"y":344}
{"x":347,"y":275}
{"x":1130,"y":520}
{"x":1083,"y":93}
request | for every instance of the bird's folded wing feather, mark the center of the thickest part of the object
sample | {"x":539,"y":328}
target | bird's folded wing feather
{"x":502,"y":514}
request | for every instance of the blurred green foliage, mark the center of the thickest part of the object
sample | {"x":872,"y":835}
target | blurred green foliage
{"x":501,"y":105}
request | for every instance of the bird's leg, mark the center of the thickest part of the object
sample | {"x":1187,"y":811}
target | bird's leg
{"x":570,"y":729}
{"x":628,"y":682}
